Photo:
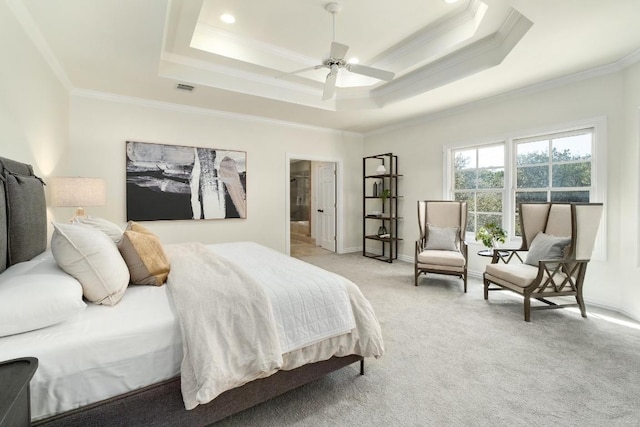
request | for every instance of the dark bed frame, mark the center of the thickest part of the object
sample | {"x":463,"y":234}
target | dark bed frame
{"x":23,"y":235}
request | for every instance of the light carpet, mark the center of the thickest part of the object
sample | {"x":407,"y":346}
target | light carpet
{"x":454,"y":359}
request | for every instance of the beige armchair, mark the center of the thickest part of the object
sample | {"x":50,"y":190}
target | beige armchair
{"x":441,"y":247}
{"x":558,"y":239}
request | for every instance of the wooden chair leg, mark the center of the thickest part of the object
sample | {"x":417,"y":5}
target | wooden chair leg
{"x":527,"y":308}
{"x":464,"y":277}
{"x":580,"y":301}
{"x":415,"y":277}
{"x":486,"y":289}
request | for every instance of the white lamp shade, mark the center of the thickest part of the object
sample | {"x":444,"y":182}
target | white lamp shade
{"x":381,"y":170}
{"x":77,"y":191}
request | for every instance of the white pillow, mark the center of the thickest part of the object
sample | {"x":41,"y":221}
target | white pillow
{"x":91,"y":257}
{"x":37,"y":298}
{"x":107,"y":227}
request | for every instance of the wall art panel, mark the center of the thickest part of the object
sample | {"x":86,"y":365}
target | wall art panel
{"x":173,"y":182}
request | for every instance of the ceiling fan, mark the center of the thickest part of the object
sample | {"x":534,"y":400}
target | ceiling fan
{"x":336,"y":61}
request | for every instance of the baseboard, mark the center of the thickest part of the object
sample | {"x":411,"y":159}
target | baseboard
{"x":351,"y":250}
{"x":406,"y":258}
{"x":475,"y":274}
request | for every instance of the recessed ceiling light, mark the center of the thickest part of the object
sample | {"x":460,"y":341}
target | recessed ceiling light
{"x":227,"y":18}
{"x":450,"y":1}
{"x":353,"y":60}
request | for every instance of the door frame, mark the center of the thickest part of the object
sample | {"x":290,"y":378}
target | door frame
{"x":339,"y":197}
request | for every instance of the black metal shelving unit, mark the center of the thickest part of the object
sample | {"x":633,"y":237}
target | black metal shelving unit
{"x":380,"y":212}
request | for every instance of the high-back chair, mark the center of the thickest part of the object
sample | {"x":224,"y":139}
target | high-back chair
{"x":558,"y":239}
{"x":441,"y":247}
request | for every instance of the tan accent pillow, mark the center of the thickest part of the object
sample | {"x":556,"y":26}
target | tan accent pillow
{"x":143,"y":253}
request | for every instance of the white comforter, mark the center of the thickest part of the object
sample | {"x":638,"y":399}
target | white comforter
{"x":224,"y":312}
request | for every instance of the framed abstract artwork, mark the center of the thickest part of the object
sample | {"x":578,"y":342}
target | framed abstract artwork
{"x":172,"y":182}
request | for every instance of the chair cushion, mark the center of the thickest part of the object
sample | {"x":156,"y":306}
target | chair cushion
{"x":518,"y":276}
{"x":521,"y":275}
{"x":445,"y":258}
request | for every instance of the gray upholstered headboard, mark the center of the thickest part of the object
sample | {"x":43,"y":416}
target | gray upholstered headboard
{"x":23,"y":213}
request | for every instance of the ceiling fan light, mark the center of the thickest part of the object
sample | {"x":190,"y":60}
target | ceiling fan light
{"x":228,"y":18}
{"x":353,"y":60}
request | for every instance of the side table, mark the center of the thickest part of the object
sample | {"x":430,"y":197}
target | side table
{"x":489,"y":253}
{"x":15,"y":403}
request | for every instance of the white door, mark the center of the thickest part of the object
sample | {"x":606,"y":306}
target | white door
{"x":326,"y":206}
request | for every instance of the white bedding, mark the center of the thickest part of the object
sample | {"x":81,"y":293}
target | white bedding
{"x":309,"y":304}
{"x":106,"y":351}
{"x":223,"y":311}
{"x":102,"y":352}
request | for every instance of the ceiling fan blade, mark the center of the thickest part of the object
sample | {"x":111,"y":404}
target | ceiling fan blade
{"x":315,"y":67}
{"x":330,"y":84}
{"x":370,"y":71}
{"x":338,"y":50}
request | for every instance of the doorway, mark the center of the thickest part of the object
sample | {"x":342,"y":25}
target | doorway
{"x":300,"y":204}
{"x":312,"y":208}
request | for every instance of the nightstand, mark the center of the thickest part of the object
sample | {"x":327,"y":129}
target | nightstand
{"x":15,"y":404}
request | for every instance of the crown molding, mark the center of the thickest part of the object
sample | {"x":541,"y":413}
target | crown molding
{"x":477,"y":56}
{"x":512,"y":94}
{"x":630,"y":59}
{"x":230,"y":71}
{"x":273,"y":53}
{"x":170,"y":106}
{"x":455,"y":27}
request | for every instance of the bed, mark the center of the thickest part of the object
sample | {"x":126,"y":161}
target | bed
{"x":137,"y":359}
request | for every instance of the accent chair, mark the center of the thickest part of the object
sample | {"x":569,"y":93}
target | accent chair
{"x":441,"y":248}
{"x":558,"y":239}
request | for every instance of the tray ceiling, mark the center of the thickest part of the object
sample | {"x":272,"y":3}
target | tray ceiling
{"x":443,"y":55}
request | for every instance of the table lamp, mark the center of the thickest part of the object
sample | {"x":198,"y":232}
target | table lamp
{"x":78,"y":192}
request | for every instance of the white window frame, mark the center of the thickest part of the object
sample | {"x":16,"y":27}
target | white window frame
{"x":504,"y":190}
{"x":598,"y":172}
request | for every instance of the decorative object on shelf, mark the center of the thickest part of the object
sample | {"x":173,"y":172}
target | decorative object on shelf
{"x":78,"y":192}
{"x":382,"y":231}
{"x":386,"y":193}
{"x":491,"y":234}
{"x":179,"y":182}
{"x":381,"y":170}
{"x":375,"y":189}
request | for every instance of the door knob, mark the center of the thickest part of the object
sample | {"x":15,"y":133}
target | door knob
{"x":321,"y":210}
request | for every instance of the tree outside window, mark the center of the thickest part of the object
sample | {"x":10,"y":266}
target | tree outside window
{"x":556,"y":168}
{"x":478,"y":177}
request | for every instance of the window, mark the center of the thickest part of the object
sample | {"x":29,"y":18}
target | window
{"x":564,"y":165}
{"x":553,"y":168}
{"x":478,"y":178}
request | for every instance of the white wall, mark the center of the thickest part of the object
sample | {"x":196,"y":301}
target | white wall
{"x":612,"y":283}
{"x":100,"y":126}
{"x":34,"y":105}
{"x":630,"y":181}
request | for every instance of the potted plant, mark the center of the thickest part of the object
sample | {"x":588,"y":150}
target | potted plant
{"x":386,"y":193}
{"x":491,"y":234}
